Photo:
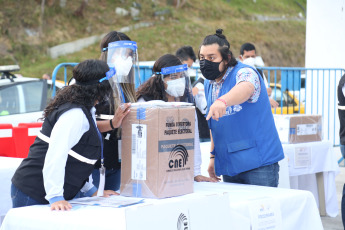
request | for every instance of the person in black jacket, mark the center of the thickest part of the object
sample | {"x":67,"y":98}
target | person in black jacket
{"x":112,"y":137}
{"x":341,"y":113}
{"x":63,"y":155}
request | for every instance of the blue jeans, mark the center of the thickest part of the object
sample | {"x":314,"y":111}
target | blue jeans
{"x":112,"y":179}
{"x":20,"y":199}
{"x":264,"y":176}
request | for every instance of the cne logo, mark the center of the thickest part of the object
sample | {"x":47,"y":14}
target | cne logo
{"x":178,"y":157}
{"x":182,"y":222}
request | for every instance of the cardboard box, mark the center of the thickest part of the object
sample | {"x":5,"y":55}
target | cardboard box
{"x":298,"y":128}
{"x":158,"y":151}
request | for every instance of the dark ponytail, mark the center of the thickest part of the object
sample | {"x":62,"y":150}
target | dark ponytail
{"x":224,"y":46}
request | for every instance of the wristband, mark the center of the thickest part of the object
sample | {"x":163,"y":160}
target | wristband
{"x":211,"y":157}
{"x":111,"y":124}
{"x":222,"y":100}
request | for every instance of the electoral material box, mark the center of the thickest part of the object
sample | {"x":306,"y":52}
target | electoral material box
{"x":158,"y":150}
{"x":298,"y":128}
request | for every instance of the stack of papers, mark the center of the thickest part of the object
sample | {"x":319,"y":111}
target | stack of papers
{"x":111,"y":201}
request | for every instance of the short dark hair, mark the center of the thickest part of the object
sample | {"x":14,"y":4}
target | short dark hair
{"x":224,"y":46}
{"x":186,"y":52}
{"x":247,"y":47}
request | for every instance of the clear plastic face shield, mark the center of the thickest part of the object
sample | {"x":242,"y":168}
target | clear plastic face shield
{"x":177,"y":83}
{"x":123,"y":60}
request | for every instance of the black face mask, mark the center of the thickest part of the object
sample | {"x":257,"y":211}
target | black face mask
{"x":209,"y":69}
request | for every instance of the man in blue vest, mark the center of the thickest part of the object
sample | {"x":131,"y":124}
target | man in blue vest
{"x":245,"y":146}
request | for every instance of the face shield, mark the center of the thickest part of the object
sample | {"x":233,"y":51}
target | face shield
{"x":123,"y":60}
{"x":177,"y":83}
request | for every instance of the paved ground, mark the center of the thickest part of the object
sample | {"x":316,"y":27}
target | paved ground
{"x":330,"y":223}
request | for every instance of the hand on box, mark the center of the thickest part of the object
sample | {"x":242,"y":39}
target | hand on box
{"x":61,"y":205}
{"x":121,"y":113}
{"x":201,"y":178}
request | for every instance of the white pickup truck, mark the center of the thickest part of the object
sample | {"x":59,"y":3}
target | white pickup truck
{"x":22,"y":99}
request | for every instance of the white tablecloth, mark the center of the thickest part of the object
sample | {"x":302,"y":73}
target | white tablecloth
{"x":323,"y":160}
{"x":8,"y":166}
{"x":284,"y":181}
{"x":297,"y":210}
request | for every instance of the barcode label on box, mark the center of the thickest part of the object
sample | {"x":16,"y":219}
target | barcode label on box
{"x":138,"y":150}
{"x":306,"y":129}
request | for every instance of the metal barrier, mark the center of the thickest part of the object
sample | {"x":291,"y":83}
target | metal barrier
{"x":315,"y":89}
{"x":306,"y":90}
{"x":297,"y":90}
{"x":56,"y":70}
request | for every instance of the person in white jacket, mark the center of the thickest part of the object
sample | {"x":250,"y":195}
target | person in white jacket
{"x":61,"y":159}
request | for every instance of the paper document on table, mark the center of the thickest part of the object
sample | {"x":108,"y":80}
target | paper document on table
{"x":112,"y":201}
{"x":265,"y":214}
{"x":302,"y":157}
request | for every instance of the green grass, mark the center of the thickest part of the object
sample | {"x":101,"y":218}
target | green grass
{"x":280,"y":43}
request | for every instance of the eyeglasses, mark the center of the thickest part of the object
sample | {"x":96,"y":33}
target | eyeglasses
{"x":173,"y":76}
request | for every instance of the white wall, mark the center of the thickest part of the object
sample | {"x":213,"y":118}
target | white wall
{"x":325,"y":35}
{"x":325,"y":48}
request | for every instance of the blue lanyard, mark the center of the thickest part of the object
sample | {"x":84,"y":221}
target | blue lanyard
{"x":101,"y":140}
{"x":123,"y":95}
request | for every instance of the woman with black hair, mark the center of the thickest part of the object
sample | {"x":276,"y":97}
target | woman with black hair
{"x":63,"y":155}
{"x":169,"y":88}
{"x":245,"y":146}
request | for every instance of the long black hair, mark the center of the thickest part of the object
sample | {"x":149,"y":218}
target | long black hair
{"x":224,"y":46}
{"x":153,"y":88}
{"x":87,"y":90}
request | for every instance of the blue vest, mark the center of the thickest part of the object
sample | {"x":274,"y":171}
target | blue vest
{"x":246,"y":137}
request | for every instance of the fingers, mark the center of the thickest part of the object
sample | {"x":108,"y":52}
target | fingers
{"x":61,"y":205}
{"x":217,"y":179}
{"x":209,"y":115}
{"x":273,"y":103}
{"x":108,"y":193}
{"x":201,"y":178}
{"x":217,"y":110}
{"x":120,"y":113}
{"x":214,"y":114}
{"x":125,"y":106}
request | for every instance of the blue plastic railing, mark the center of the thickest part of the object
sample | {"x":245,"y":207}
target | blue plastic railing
{"x":56,"y":70}
{"x":314,"y":88}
